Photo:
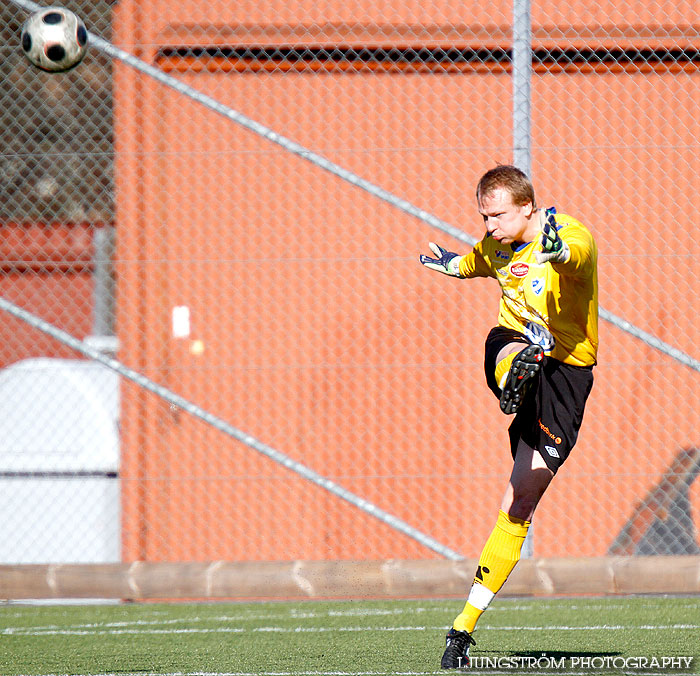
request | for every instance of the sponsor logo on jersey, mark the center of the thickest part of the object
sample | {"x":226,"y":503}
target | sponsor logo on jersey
{"x":503,"y":255}
{"x":519,"y":269}
{"x":538,"y":286}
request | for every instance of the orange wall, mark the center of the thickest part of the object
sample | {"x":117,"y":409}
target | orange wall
{"x":46,"y":269}
{"x":324,"y":337}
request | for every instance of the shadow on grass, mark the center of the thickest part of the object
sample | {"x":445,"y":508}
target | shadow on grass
{"x":543,"y":659}
{"x":558,"y":654}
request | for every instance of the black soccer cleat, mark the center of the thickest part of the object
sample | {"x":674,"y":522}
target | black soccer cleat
{"x":456,"y":655}
{"x":524,"y":368}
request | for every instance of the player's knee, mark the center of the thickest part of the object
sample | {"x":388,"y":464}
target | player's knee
{"x":523,"y":505}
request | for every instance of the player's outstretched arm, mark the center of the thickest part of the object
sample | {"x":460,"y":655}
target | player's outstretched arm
{"x":554,"y":248}
{"x":446,"y":261}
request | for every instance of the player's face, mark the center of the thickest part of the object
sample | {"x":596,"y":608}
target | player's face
{"x":505,"y":221}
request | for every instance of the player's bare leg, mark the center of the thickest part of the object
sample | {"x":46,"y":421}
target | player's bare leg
{"x":528,"y":482}
{"x":511,"y":348}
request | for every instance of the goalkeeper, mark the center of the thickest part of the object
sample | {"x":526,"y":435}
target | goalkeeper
{"x":538,"y":360}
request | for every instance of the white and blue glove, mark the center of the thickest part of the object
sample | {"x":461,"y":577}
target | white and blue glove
{"x":446,"y":261}
{"x":554,"y":248}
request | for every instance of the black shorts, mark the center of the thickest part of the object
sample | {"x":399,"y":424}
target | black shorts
{"x":550,"y":416}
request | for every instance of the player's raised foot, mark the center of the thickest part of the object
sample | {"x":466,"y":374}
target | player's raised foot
{"x":456,"y":655}
{"x":524,"y":368}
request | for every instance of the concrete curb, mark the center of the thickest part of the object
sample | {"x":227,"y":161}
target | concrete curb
{"x":345,"y":579}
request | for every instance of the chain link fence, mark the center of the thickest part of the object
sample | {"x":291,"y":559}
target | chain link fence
{"x":238,"y":235}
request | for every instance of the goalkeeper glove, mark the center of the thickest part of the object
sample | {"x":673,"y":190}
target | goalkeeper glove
{"x":554,"y":248}
{"x":446,"y":262}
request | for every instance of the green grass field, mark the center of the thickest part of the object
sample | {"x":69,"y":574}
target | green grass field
{"x":349,"y":637}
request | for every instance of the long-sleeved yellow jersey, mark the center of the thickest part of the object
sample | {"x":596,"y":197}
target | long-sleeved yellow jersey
{"x":554,"y":305}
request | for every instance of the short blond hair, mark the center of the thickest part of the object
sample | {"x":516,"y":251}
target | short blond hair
{"x":508,"y":178}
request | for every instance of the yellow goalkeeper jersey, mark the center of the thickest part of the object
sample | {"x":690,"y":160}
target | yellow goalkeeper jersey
{"x":554,"y":305}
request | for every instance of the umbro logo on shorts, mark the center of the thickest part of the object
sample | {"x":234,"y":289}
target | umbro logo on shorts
{"x":552,"y":451}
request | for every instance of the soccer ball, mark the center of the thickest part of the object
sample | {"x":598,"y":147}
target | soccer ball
{"x":54,"y":39}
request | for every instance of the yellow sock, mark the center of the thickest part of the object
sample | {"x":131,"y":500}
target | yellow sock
{"x":503,"y":367}
{"x":498,"y":558}
{"x":467,"y":619}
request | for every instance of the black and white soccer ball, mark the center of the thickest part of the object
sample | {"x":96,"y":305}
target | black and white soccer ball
{"x":54,"y":39}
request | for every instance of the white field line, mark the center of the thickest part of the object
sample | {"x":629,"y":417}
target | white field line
{"x":248,"y":617}
{"x":295,"y":614}
{"x":295,"y":673}
{"x":25,"y":631}
{"x":350,"y":673}
{"x":290,"y":673}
